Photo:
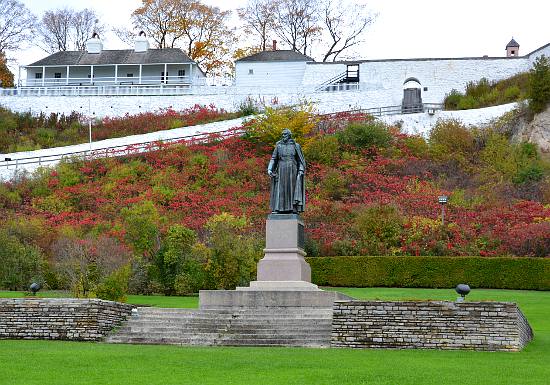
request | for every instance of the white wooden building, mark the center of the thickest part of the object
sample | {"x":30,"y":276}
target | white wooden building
{"x":277,"y":68}
{"x":96,"y":67}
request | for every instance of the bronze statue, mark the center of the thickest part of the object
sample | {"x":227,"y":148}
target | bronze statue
{"x":286,"y":169}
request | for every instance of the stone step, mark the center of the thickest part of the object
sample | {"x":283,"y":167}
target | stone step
{"x":228,"y":327}
{"x":304,"y":342}
{"x":225,"y":332}
{"x":160,"y":314}
{"x":236,"y":321}
{"x":239,"y":341}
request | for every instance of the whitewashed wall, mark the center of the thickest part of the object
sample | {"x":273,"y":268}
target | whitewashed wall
{"x":439,"y":76}
{"x":544,"y":50}
{"x":101,"y":106}
{"x":269,"y":74}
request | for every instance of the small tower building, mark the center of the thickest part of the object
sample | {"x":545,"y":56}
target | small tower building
{"x":512,"y":48}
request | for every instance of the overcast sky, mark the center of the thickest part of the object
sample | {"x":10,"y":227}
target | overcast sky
{"x":403,"y":28}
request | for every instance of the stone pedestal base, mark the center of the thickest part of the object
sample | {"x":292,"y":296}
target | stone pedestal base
{"x":284,"y":251}
{"x":280,"y":286}
{"x":253,"y":299}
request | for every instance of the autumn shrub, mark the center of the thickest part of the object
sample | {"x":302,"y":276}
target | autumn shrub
{"x":142,"y":227}
{"x":378,"y":228}
{"x":9,"y":197}
{"x":114,"y":287}
{"x":531,"y":240}
{"x":323,"y":149}
{"x":539,"y":84}
{"x":433,"y":272}
{"x":233,"y":255}
{"x":335,"y":185}
{"x":175,"y":257}
{"x":365,"y":135}
{"x":268,"y":127}
{"x":21,"y":264}
{"x":451,"y":140}
{"x":484,"y":93}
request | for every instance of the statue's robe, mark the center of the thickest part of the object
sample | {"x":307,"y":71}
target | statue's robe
{"x":288,"y":193}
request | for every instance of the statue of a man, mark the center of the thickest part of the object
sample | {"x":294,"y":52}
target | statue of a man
{"x":286,"y":169}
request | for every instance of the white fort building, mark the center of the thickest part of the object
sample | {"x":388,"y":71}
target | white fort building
{"x":115,"y":82}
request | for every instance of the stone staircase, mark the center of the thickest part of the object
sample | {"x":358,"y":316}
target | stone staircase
{"x":306,"y":327}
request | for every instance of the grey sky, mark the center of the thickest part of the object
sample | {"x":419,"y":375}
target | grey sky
{"x":403,"y":29}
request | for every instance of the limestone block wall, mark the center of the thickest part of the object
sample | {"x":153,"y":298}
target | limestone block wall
{"x":492,"y":326}
{"x":60,"y":318}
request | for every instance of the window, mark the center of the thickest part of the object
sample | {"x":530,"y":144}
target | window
{"x":181,"y":73}
{"x":163,"y":77}
{"x":57,"y":75}
{"x":513,"y":52}
{"x":129,"y":75}
{"x":251,"y":71}
{"x":38,"y":75}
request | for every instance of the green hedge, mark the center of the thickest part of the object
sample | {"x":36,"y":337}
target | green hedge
{"x":433,"y":272}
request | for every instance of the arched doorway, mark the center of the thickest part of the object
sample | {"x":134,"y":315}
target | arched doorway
{"x":412,"y":96}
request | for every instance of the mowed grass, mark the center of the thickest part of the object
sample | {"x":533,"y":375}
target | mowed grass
{"x":57,"y":362}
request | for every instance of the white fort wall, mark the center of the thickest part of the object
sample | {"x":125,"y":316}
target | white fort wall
{"x":101,"y":106}
{"x":440,"y":76}
{"x":381,"y":84}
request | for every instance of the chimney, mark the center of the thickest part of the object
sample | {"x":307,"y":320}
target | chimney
{"x":94,"y":44}
{"x":141,"y":44}
{"x":274,"y":45}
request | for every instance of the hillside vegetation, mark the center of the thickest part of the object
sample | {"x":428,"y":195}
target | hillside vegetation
{"x":533,"y":85}
{"x":23,"y":131}
{"x":192,"y":215}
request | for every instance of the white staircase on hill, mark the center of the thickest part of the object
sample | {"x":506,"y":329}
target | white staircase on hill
{"x":305,"y":327}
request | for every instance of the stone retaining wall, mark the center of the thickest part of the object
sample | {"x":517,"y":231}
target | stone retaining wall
{"x":60,"y":318}
{"x":493,"y":326}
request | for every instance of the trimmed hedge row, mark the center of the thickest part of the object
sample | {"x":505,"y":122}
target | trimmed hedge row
{"x":432,"y":272}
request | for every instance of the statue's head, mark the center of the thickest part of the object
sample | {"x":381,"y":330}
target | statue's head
{"x":287,"y":134}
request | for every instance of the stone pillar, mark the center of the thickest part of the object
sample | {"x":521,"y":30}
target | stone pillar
{"x":284,"y":251}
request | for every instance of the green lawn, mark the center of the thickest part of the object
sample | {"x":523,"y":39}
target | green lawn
{"x":55,"y":362}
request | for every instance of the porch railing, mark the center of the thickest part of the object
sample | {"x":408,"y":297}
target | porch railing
{"x":100,"y":90}
{"x":108,"y":80}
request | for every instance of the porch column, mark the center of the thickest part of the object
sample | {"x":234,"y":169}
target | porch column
{"x":67,"y":80}
{"x":19,"y":82}
{"x":191,"y":73}
{"x":116,"y":74}
{"x":91,"y":74}
{"x":43,"y":75}
{"x":140,"y":67}
{"x":165,"y":73}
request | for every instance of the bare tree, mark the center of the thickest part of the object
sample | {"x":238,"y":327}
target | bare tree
{"x":125,"y":35}
{"x":66,"y":29}
{"x":16,"y":25}
{"x":259,"y":19}
{"x":343,"y":31}
{"x":55,"y":28}
{"x":85,"y":23}
{"x":296,"y":22}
